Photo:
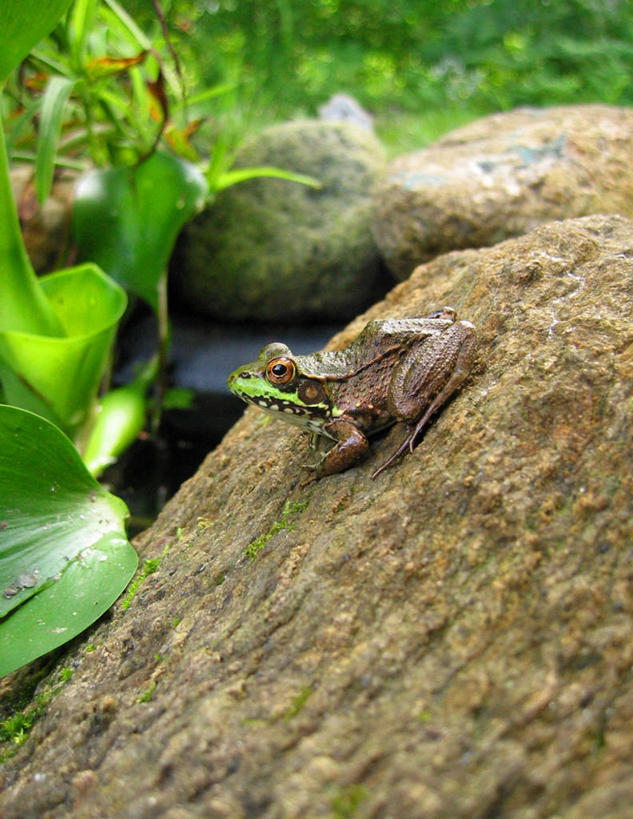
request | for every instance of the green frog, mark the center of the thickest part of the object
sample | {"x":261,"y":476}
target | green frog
{"x":395,"y":370}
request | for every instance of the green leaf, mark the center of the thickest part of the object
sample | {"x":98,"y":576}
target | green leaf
{"x":23,"y":23}
{"x":198,"y":100}
{"x":120,"y":16}
{"x":23,"y":305}
{"x":58,"y":377}
{"x":127,"y":219}
{"x":64,"y":556}
{"x":87,"y":589}
{"x":120,"y":417}
{"x":81,"y":20}
{"x":19,"y":125}
{"x":236,"y":175}
{"x":179,"y":398}
{"x":54,"y":101}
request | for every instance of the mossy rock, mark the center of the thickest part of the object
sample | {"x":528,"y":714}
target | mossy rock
{"x":271,"y":249}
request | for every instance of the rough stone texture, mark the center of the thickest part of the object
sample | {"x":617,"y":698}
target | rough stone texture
{"x":45,"y":229}
{"x":273,"y":249}
{"x":454,"y":639}
{"x":502,"y":176}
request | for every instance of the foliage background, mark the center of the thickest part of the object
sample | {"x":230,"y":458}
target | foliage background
{"x":420,"y":66}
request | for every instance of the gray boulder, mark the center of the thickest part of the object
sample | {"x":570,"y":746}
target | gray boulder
{"x":271,"y":249}
{"x":453,"y":639}
{"x":501,"y":176}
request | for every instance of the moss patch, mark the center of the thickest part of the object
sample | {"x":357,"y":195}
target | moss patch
{"x":15,"y":729}
{"x":348,"y":799}
{"x":290,"y":510}
{"x":150,"y":565}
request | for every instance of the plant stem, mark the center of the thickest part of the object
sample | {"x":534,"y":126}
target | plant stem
{"x":23,"y":305}
{"x":164,"y":343}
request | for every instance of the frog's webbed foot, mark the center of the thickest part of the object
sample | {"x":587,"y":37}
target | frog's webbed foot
{"x":310,"y":478}
{"x":350,"y":444}
{"x":409,"y":441}
{"x":401,"y":449}
{"x":315,"y":459}
{"x":411,"y":437}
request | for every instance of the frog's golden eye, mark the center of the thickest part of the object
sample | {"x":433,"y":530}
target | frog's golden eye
{"x":280,"y":370}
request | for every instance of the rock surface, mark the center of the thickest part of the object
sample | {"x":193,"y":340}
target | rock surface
{"x":501,"y":176}
{"x":453,"y":639}
{"x":270,"y":249}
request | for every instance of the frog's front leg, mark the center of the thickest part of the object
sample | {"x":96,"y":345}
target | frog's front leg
{"x":426,"y":377}
{"x":351,"y":445}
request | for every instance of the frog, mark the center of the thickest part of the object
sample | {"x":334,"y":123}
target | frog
{"x":396,"y":371}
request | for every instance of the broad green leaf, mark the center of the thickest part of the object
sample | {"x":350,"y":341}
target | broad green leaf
{"x":58,"y":377}
{"x":64,"y":556}
{"x":232,"y":177}
{"x":23,"y":23}
{"x":54,"y":101}
{"x":51,"y":507}
{"x":87,"y":589}
{"x":127,"y":219}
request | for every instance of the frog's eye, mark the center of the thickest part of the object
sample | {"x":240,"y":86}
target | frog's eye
{"x":280,"y":370}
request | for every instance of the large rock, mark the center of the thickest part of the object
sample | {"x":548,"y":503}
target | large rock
{"x":273,"y":249}
{"x":500,"y":177}
{"x":453,"y":639}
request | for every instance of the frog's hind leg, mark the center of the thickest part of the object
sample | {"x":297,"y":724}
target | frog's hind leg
{"x":459,"y":374}
{"x":431,"y":374}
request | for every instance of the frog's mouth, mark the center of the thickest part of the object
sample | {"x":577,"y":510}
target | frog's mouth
{"x":276,"y":404}
{"x":311,"y":417}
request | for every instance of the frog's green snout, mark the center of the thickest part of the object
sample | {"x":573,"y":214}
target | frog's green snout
{"x":232,"y":382}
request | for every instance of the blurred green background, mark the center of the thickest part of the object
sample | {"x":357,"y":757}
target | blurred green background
{"x":420,"y":66}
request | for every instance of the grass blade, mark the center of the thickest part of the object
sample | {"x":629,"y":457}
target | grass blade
{"x":54,"y":101}
{"x":236,"y":175}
